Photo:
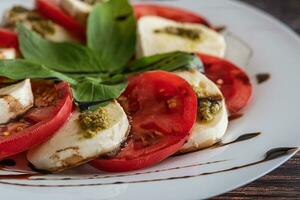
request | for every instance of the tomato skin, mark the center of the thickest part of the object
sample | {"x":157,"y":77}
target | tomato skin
{"x":232,"y":81}
{"x":50,"y":9}
{"x":123,"y":165}
{"x":159,"y":126}
{"x":41,"y":131}
{"x":8,"y":39}
{"x":169,"y":12}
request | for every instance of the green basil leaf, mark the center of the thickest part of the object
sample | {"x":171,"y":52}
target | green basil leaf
{"x":21,"y":69}
{"x":112,"y":33}
{"x":90,"y":90}
{"x":63,"y":57}
{"x":167,"y":61}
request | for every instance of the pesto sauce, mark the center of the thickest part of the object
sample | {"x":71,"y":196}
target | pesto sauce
{"x":93,"y":121}
{"x":38,"y":23}
{"x":208,"y":106}
{"x":188,"y":33}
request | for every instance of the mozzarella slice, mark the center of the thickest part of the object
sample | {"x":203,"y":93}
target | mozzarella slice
{"x":68,"y":148}
{"x":159,"y":35}
{"x":32,"y":20}
{"x":15,"y":100}
{"x":77,"y":9}
{"x":204,"y":134}
{"x":8,"y":53}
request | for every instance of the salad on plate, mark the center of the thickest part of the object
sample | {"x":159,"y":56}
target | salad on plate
{"x":118,"y":86}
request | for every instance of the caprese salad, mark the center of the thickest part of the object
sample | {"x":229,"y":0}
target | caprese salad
{"x":119,"y":86}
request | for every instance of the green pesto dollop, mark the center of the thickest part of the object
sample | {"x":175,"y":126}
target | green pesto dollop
{"x":19,"y":9}
{"x":208,"y":106}
{"x":93,"y":121}
{"x":43,"y":27}
{"x":38,"y":23}
{"x":188,"y":33}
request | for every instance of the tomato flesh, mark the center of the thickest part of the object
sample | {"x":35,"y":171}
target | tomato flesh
{"x":8,"y":39}
{"x":232,"y":81}
{"x":163,"y":108}
{"x":169,"y":12}
{"x":51,"y":9}
{"x":29,"y":130}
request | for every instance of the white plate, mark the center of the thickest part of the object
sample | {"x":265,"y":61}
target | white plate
{"x":274,"y":112}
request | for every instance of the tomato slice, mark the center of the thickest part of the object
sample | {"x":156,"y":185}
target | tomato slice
{"x":169,"y":12}
{"x":24,"y":133}
{"x":232,"y":81}
{"x":8,"y":39}
{"x":162,"y":107}
{"x":51,"y":10}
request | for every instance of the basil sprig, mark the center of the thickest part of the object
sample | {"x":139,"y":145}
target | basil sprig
{"x":62,"y":57}
{"x":167,"y":61}
{"x":112,"y":33}
{"x":21,"y":69}
{"x":97,"y":72}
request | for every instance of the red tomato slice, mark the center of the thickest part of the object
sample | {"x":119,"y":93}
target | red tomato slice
{"x":8,"y":39}
{"x":51,"y":10}
{"x":169,"y":12}
{"x":232,"y":81}
{"x":163,"y":109}
{"x":24,"y":133}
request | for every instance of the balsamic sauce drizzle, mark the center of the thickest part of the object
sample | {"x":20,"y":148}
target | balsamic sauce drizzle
{"x":270,"y":155}
{"x":262,"y":77}
{"x":7,"y":162}
{"x":241,"y":138}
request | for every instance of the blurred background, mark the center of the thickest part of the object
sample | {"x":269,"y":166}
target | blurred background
{"x":287,"y":11}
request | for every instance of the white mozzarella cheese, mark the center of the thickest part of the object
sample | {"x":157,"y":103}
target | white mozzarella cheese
{"x":205,"y":134}
{"x":68,"y":148}
{"x":8,"y":53}
{"x":15,"y":100}
{"x":78,"y":9}
{"x":159,"y":35}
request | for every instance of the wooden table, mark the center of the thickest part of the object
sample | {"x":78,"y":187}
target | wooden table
{"x":284,"y":182}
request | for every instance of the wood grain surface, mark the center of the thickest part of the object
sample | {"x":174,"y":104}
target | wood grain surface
{"x":284,"y":182}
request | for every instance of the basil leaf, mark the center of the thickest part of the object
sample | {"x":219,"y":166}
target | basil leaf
{"x":21,"y":69}
{"x":112,"y":33}
{"x":90,"y":90}
{"x":167,"y":61}
{"x":104,"y":78}
{"x":63,"y":57}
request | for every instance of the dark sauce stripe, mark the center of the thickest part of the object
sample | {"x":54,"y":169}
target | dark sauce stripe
{"x":270,"y":155}
{"x":241,"y":138}
{"x":262,"y":77}
{"x":7,"y":162}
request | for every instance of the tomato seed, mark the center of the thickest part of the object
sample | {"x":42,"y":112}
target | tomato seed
{"x":6,"y":133}
{"x":220,"y":81}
